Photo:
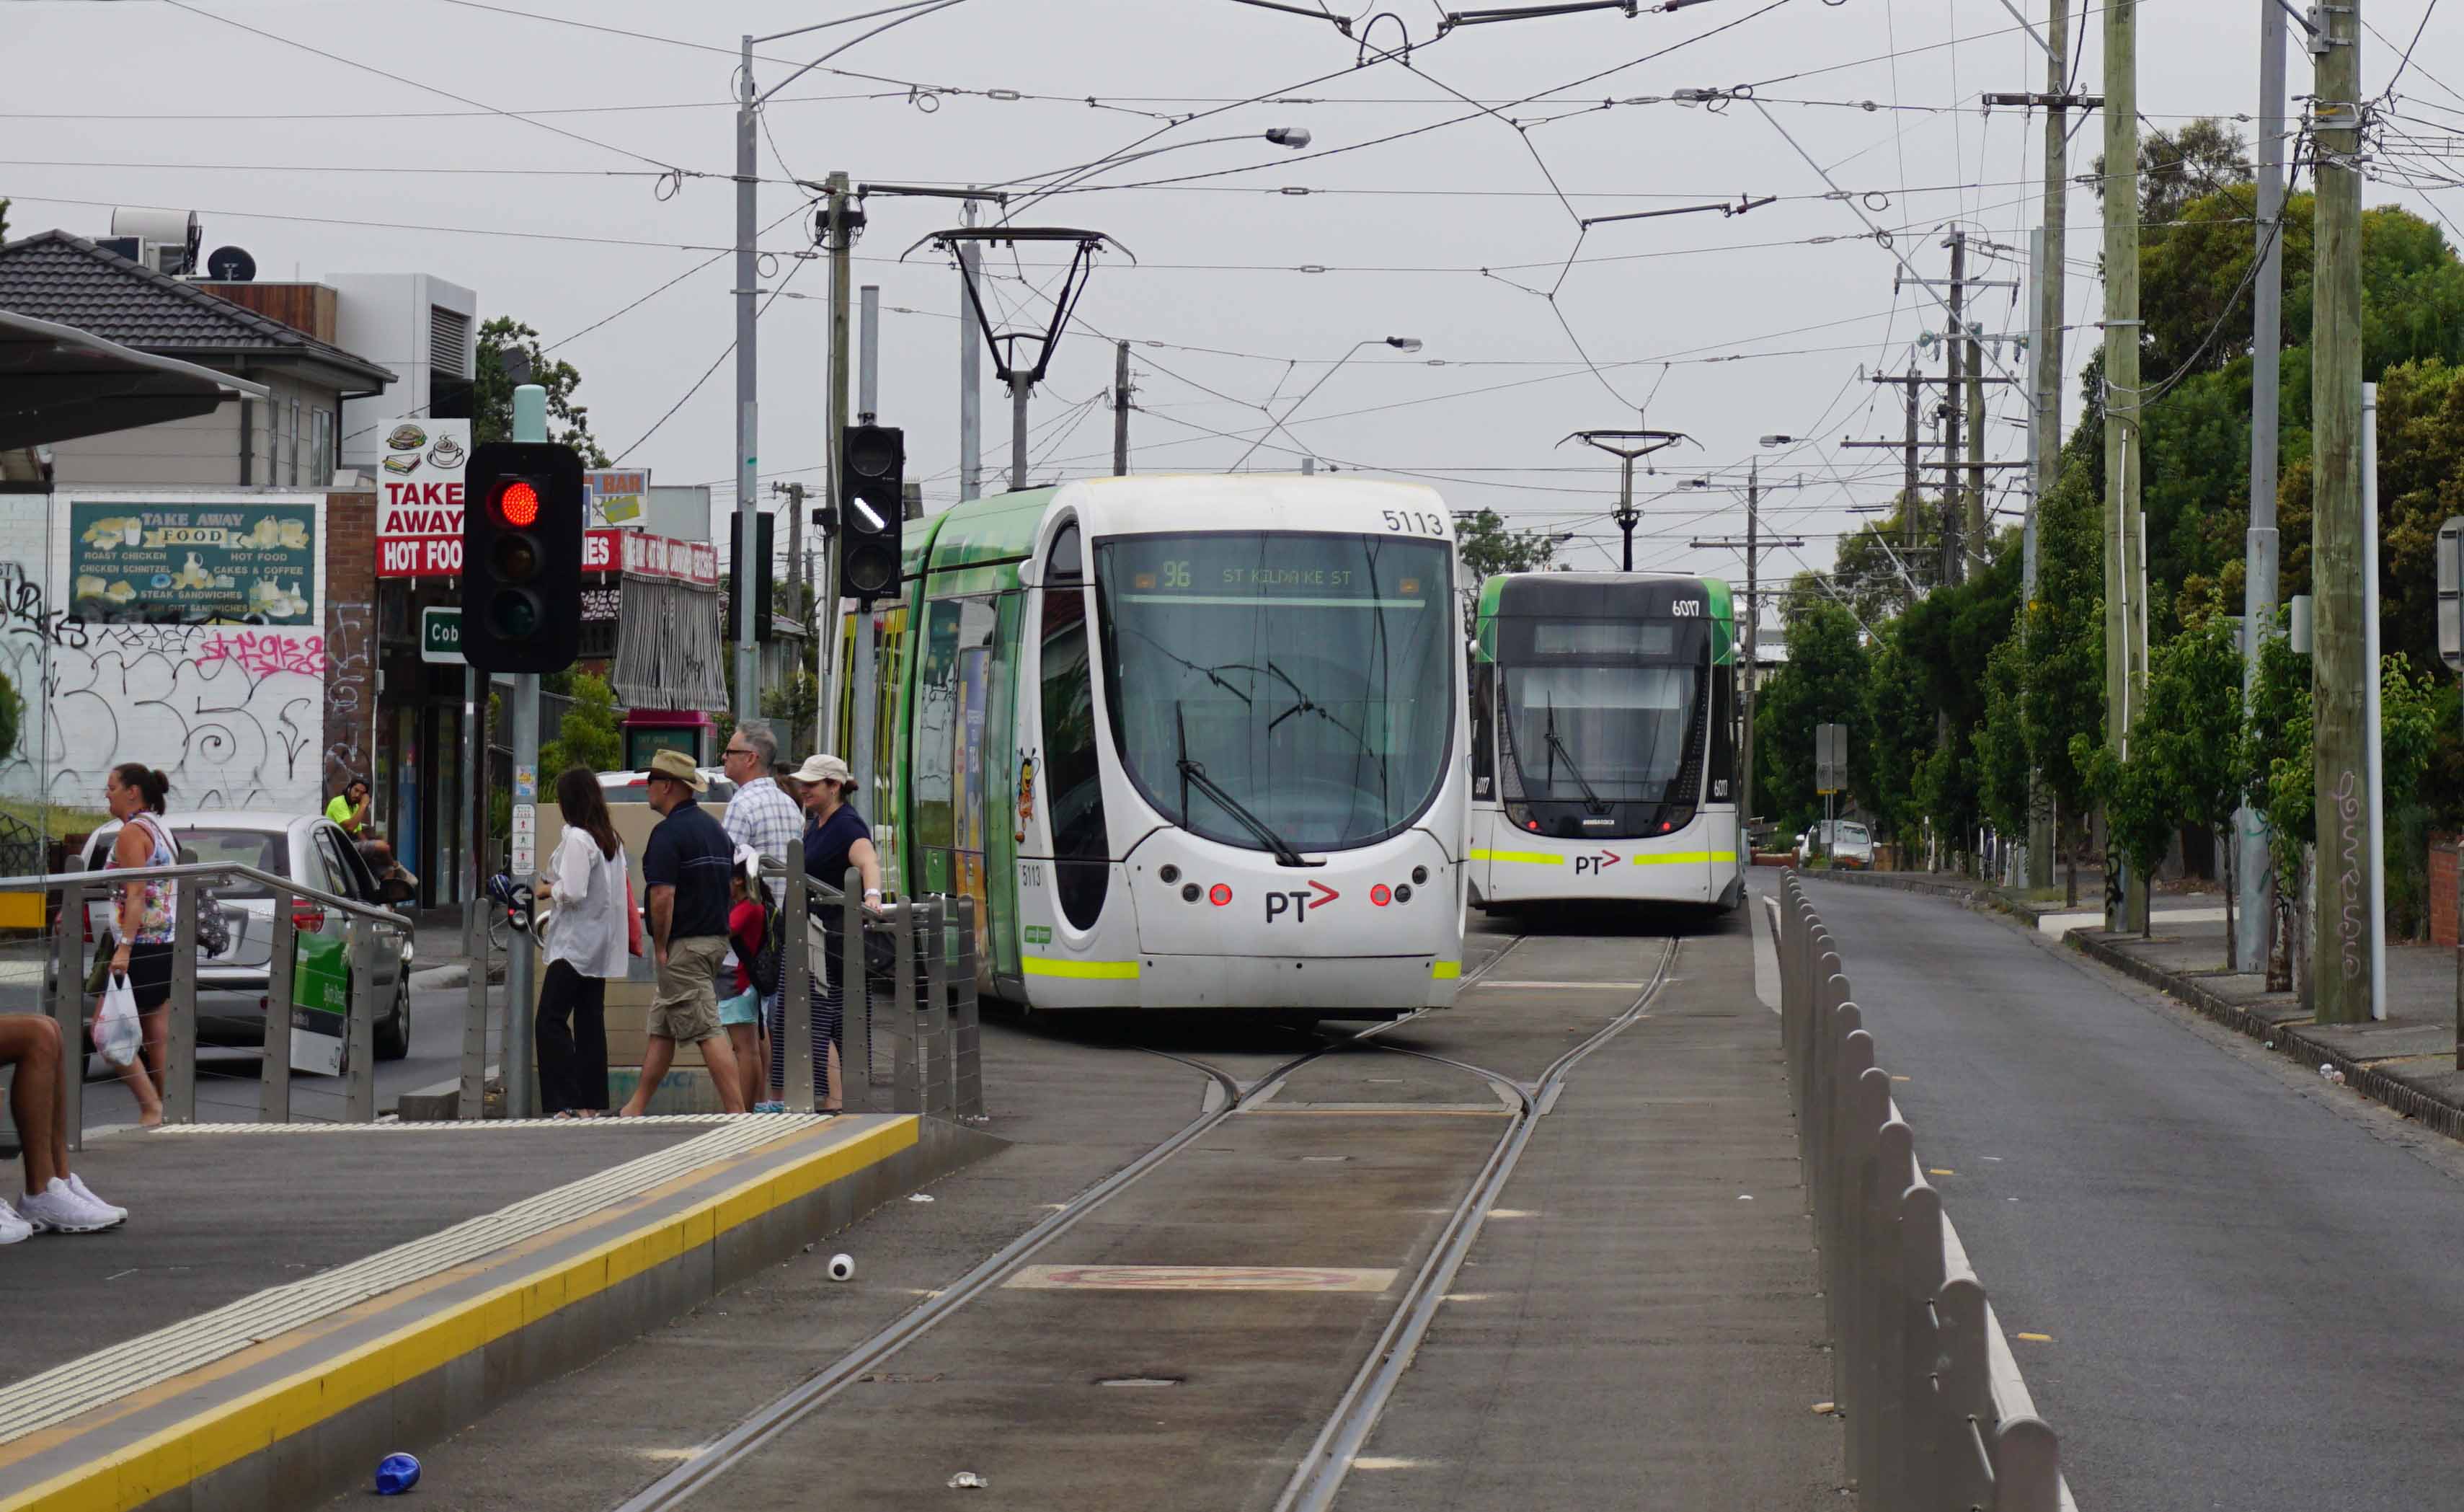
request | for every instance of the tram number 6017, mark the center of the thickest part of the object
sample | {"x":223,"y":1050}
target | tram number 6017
{"x":1415,"y":522}
{"x":1687,"y":609}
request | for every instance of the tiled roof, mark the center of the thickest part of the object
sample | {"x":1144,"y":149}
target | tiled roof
{"x":55,"y":276}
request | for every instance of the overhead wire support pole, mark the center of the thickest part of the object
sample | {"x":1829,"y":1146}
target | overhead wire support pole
{"x":971,"y":385}
{"x":2045,"y":357}
{"x":1121,"y":409}
{"x":1744,"y":203}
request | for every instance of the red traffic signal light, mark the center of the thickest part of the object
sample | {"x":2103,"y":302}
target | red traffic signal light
{"x":517,"y":503}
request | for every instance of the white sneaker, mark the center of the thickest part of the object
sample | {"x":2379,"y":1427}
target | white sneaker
{"x":77,"y":1184}
{"x":12,"y":1228}
{"x":59,"y":1209}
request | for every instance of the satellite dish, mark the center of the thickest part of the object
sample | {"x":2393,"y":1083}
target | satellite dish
{"x":231,"y":265}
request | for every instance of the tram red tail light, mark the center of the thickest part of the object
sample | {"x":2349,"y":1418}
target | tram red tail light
{"x":1219,"y":894}
{"x":1380,"y":895}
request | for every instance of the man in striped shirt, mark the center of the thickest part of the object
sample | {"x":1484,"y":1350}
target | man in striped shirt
{"x":761,"y":815}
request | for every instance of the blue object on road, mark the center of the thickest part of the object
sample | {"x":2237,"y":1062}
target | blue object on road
{"x":397,"y":1474}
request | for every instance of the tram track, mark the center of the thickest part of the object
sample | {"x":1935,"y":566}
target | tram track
{"x":782,"y":1412}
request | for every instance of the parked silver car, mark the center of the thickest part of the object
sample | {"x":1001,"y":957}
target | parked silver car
{"x":313,"y":851}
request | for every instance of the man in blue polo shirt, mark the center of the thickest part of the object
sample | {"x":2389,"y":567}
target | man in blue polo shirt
{"x":687,"y":865}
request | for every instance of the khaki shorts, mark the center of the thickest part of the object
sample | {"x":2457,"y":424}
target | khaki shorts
{"x":686,"y":1008}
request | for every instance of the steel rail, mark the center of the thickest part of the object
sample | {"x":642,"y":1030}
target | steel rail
{"x":1322,"y":1469}
{"x":767,"y":1422}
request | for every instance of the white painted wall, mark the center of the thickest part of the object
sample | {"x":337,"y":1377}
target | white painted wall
{"x":383,"y":317}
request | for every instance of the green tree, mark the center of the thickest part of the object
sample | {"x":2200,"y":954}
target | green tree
{"x":492,"y":391}
{"x":2204,"y":157}
{"x":4,"y":220}
{"x":2138,"y":812}
{"x":1897,"y":724}
{"x":12,"y":706}
{"x":588,"y":736}
{"x":1873,"y":567}
{"x":1820,"y":684}
{"x":2001,"y":738}
{"x":1488,"y":548}
{"x":2189,"y":728}
{"x":2062,"y":648}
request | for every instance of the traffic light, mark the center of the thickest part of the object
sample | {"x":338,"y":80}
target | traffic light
{"x":872,"y":508}
{"x":764,"y":587}
{"x":521,"y":557}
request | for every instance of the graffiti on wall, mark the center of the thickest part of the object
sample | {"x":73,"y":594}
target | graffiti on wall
{"x":236,"y":720}
{"x":350,"y":691}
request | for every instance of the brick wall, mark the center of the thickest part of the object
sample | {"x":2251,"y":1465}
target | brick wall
{"x":350,"y":638}
{"x":2442,"y":889}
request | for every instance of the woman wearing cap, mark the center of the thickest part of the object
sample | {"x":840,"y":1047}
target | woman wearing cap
{"x":836,"y":838}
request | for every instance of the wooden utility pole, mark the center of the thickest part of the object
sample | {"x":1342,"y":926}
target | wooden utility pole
{"x":2339,"y":966}
{"x":1974,"y":526}
{"x":1955,"y":351}
{"x":2125,"y":658}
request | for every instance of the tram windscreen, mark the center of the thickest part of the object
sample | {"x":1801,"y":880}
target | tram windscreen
{"x":1618,"y":730}
{"x":1305,"y":678}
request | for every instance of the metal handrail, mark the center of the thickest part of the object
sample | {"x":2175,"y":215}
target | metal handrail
{"x":207,"y":871}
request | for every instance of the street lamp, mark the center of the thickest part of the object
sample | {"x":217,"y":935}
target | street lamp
{"x":1401,"y":344}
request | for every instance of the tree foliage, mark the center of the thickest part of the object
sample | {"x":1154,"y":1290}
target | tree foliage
{"x":492,"y":391}
{"x":1821,"y":684}
{"x":587,"y":736}
{"x":1897,"y":726}
{"x":1488,"y":548}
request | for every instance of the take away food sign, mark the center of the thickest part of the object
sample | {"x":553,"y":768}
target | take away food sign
{"x":419,"y":497}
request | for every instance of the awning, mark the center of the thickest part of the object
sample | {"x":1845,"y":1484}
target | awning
{"x":58,"y":382}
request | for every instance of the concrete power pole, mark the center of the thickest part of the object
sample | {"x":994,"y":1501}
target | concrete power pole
{"x":1974,"y":526}
{"x":2048,"y":348}
{"x":842,"y":249}
{"x":1753,"y":622}
{"x":1955,"y":353}
{"x":1121,"y":410}
{"x":971,"y":383}
{"x":2339,"y":965}
{"x":2125,"y":658}
{"x":2254,"y":863}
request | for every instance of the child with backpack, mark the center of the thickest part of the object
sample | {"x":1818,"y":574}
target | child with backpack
{"x":753,"y":934}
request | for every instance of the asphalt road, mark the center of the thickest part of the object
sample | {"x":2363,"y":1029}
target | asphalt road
{"x":227,"y":1077}
{"x":2248,"y":1276}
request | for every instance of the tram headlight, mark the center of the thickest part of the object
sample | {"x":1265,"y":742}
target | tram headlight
{"x":1189,"y":893}
{"x":1419,"y":874}
{"x":1170,"y":873}
{"x":1403,"y":892}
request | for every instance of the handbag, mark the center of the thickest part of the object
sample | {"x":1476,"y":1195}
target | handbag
{"x":116,"y":1030}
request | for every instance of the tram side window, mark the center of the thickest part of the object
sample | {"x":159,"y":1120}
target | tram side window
{"x":1073,"y":777}
{"x":1724,"y":734}
{"x":1484,"y":756}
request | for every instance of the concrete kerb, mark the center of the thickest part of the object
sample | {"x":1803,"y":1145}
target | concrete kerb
{"x":2289,"y":1040}
{"x":304,"y":1413}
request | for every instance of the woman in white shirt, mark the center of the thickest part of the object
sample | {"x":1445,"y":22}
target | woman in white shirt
{"x":586,"y":946}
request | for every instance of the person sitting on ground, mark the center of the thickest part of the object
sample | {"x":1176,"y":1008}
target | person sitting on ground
{"x":686,"y":864}
{"x":56,"y":1200}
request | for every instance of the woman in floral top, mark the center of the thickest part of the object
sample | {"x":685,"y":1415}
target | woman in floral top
{"x":134,"y":793}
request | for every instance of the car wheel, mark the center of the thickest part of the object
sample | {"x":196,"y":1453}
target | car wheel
{"x":393,"y":1031}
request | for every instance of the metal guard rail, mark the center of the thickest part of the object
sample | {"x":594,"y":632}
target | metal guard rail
{"x":1938,"y":1417}
{"x":925,"y":1004}
{"x":361,"y":921}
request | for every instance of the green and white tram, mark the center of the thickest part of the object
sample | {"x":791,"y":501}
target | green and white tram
{"x":1189,"y":742}
{"x":1604,"y":741}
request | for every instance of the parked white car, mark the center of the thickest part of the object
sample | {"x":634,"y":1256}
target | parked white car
{"x":1846,"y":842}
{"x":311,"y":850}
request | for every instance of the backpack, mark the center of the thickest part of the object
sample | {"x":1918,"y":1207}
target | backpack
{"x":766,"y":967}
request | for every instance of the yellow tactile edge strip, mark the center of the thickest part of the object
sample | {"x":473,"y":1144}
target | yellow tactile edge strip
{"x":229,"y":1431}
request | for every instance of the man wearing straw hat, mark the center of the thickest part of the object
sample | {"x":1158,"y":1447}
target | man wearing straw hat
{"x":687,"y":865}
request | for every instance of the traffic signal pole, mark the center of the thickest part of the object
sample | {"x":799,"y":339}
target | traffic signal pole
{"x":748,"y":370}
{"x":522,"y":711}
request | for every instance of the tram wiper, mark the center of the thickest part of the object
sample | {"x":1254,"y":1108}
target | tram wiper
{"x":1195,"y":773}
{"x":1557,"y":749}
{"x":1310,"y":705}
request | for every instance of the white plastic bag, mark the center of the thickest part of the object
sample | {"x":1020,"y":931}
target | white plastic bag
{"x":116,"y":1032}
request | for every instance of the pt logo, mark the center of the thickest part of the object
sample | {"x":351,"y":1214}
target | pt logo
{"x":1595,"y":865}
{"x":1299,"y":903}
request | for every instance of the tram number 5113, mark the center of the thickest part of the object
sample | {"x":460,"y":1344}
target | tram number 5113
{"x":1414,"y":521}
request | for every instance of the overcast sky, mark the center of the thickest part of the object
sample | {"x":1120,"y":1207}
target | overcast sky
{"x":1725,"y":328}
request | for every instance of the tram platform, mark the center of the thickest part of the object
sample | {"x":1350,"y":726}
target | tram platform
{"x":289,"y":1302}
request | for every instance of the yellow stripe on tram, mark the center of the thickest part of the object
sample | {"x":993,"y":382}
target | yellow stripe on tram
{"x":1445,"y":970}
{"x":1080,"y":970}
{"x":1684,"y":858}
{"x":1529,"y":857}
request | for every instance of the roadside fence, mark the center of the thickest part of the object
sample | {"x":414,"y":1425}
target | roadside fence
{"x":1938,"y":1417}
{"x":368,"y":939}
